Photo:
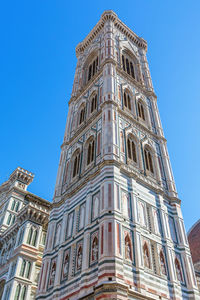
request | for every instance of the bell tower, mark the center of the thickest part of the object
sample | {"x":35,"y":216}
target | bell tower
{"x":116,"y":230}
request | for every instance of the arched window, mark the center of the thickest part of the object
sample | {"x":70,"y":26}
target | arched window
{"x":162,"y":263}
{"x":178,"y":270}
{"x":23,"y":293}
{"x":28,"y":269}
{"x":9,"y":219}
{"x":93,"y":103}
{"x":13,"y":220}
{"x":23,"y":266}
{"x":128,"y":65}
{"x":147,"y":263}
{"x":127,"y":100}
{"x":17,"y":293}
{"x":92,"y":68}
{"x":76,"y":164}
{"x":30,"y":234}
{"x":141,"y":112}
{"x":148,"y":160}
{"x":13,"y":205}
{"x":131,"y":149}
{"x":82,"y":115}
{"x":17,"y":207}
{"x":90,"y":152}
{"x":34,"y":239}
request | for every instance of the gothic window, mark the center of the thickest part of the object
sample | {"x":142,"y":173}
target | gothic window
{"x":43,"y":240}
{"x":179,"y":275}
{"x":128,"y":251}
{"x":146,"y":256}
{"x":32,"y":236}
{"x":141,"y":111}
{"x":23,"y":266}
{"x":9,"y":219}
{"x":148,"y":160}
{"x":23,"y":293}
{"x":17,"y":207}
{"x":82,"y":115}
{"x":17,"y":293}
{"x":90,"y":152}
{"x":76,"y":164}
{"x":128,"y":66}
{"x":25,"y":269}
{"x":20,"y":293}
{"x":162,"y":263}
{"x":13,"y":205}
{"x":13,"y":220}
{"x":131,"y":150}
{"x":93,"y":103}
{"x":127,"y":100}
{"x":93,"y":67}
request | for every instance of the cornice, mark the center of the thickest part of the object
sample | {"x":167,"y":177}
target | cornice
{"x":132,"y":173}
{"x":109,"y":15}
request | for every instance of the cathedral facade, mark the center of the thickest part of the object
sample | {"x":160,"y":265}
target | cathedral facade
{"x":116,"y":229}
{"x":23,"y":227}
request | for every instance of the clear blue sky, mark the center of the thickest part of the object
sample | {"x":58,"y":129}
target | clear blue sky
{"x":37,"y":53}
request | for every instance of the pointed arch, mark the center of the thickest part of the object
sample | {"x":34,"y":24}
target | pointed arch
{"x":128,"y":247}
{"x":93,"y":102}
{"x":17,"y":292}
{"x":130,"y":64}
{"x":75,"y":163}
{"x":132,"y":145}
{"x":90,"y":150}
{"x":179,"y":274}
{"x":30,"y":234}
{"x":127,"y":97}
{"x":162,"y":263}
{"x":146,"y":256}
{"x":148,"y":158}
{"x":91,"y":65}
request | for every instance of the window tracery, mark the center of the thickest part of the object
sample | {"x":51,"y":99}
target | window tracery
{"x":76,"y":164}
{"x":128,"y":66}
{"x":92,"y":68}
{"x":127,"y":100}
{"x":141,"y":110}
{"x":131,"y":147}
{"x":93,"y":103}
{"x":148,"y":160}
{"x":90,"y":152}
{"x":32,"y":236}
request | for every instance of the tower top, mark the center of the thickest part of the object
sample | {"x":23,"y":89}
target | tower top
{"x":22,"y":175}
{"x":109,"y":15}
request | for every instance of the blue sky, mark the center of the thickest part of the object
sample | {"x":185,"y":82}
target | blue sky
{"x":37,"y":53}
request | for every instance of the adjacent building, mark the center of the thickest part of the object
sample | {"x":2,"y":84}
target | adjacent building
{"x":116,"y":229}
{"x":23,"y":226}
{"x":194,"y":242}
